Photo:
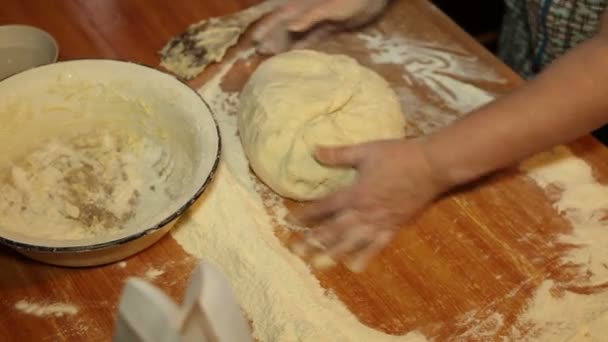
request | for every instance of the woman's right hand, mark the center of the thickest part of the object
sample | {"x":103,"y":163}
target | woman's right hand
{"x":305,"y":15}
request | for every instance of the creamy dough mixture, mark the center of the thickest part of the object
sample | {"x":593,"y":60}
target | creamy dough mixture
{"x":85,"y":185}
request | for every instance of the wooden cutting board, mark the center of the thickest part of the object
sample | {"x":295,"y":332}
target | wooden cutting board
{"x":483,"y":249}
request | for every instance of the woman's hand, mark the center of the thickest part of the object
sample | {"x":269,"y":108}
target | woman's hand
{"x":395,"y":180}
{"x":304,"y":15}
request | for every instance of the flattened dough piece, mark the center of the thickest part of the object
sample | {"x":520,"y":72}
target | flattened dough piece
{"x":301,"y":99}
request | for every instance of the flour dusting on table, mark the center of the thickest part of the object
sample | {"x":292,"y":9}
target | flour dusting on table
{"x":446,"y":73}
{"x":46,"y":309}
{"x":562,"y":310}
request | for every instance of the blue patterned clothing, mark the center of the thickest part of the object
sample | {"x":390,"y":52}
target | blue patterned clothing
{"x":535,"y":32}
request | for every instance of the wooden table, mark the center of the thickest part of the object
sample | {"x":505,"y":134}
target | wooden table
{"x":485,"y":222}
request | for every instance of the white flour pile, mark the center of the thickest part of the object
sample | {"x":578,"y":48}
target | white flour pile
{"x":231,"y":228}
{"x":584,"y":202}
{"x":86,"y":185}
{"x":46,"y":309}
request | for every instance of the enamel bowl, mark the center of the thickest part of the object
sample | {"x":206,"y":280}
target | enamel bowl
{"x":98,"y":159}
{"x":23,"y":47}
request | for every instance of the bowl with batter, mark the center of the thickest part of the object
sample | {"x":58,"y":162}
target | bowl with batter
{"x":98,"y":159}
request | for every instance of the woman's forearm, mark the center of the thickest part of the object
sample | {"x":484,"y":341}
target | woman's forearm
{"x":569,"y":99}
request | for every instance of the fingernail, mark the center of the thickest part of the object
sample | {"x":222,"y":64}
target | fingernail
{"x":263,"y":49}
{"x":296,"y":27}
{"x":319,"y":154}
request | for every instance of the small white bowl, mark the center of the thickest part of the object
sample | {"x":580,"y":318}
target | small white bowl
{"x":80,"y":98}
{"x":24,"y":47}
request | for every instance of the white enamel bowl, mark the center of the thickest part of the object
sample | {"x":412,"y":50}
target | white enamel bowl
{"x":23,"y":47}
{"x":59,"y":99}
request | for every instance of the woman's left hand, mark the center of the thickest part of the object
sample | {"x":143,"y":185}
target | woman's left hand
{"x":395,"y":180}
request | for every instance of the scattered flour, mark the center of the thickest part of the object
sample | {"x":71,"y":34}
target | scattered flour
{"x":230,"y":227}
{"x":592,"y":331}
{"x":558,"y":318}
{"x":444,"y":71}
{"x":486,"y":328}
{"x":584,"y":202}
{"x":42,"y":309}
{"x":153,"y":273}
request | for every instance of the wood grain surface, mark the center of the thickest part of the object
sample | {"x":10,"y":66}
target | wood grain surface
{"x":484,"y":248}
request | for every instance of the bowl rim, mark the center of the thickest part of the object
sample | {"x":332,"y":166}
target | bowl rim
{"x":129,"y":238}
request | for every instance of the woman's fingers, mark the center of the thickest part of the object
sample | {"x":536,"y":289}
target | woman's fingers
{"x":359,"y":259}
{"x":341,"y":156}
{"x":271,"y":35}
{"x":314,"y":15}
{"x":346,"y":238}
{"x":316,"y":212}
{"x":320,"y":241}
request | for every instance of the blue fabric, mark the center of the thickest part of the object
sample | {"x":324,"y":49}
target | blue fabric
{"x":536,"y":32}
{"x":543,"y":32}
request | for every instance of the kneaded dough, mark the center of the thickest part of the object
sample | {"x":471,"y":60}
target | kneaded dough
{"x":301,"y":99}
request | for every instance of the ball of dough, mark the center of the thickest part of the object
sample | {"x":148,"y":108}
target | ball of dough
{"x":301,"y":99}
